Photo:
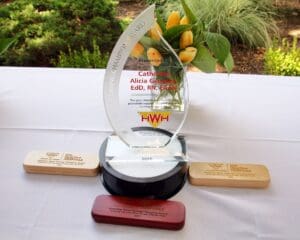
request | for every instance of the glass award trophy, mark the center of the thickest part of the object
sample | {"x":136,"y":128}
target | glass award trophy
{"x":146,"y":100}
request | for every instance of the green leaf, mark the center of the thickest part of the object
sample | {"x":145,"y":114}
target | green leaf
{"x":204,"y":60}
{"x":219,"y":45}
{"x":175,"y":32}
{"x":5,"y":43}
{"x":161,"y":22}
{"x":198,"y":33}
{"x":188,"y":12}
{"x":198,"y":27}
{"x":229,"y":63}
{"x":148,"y":42}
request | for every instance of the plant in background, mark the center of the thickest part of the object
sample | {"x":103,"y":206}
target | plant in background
{"x":82,"y":58}
{"x":248,"y":21}
{"x":48,"y":27}
{"x":125,"y":22}
{"x":190,"y":39}
{"x":193,"y":44}
{"x":166,"y":6}
{"x":5,"y":43}
{"x":283,"y":59}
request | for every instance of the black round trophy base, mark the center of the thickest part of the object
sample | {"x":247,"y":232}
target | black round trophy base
{"x":161,"y":187}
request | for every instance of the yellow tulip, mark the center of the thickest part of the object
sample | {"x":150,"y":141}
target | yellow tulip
{"x":137,"y":50}
{"x":187,"y":55}
{"x":184,"y":21}
{"x":186,"y":39}
{"x":173,"y":19}
{"x":155,"y":31}
{"x":154,"y":56}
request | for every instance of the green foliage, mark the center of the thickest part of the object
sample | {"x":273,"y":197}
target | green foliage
{"x":175,"y":32}
{"x":82,"y":58}
{"x":212,"y":47}
{"x":204,"y":60}
{"x":188,"y":12}
{"x":48,"y":27}
{"x":5,"y":43}
{"x":125,"y":22}
{"x":166,"y":6}
{"x":229,"y":63}
{"x":218,"y":45}
{"x":283,"y":59}
{"x":248,"y":21}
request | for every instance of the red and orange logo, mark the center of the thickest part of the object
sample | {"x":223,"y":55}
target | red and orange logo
{"x":155,"y":118}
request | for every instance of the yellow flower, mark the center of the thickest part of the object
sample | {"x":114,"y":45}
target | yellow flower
{"x":154,"y":32}
{"x":173,"y":19}
{"x":184,"y":21}
{"x":154,"y":56}
{"x":186,"y":39}
{"x":137,"y":50}
{"x":187,"y":55}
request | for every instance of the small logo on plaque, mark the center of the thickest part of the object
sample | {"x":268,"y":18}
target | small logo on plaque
{"x":216,"y":166}
{"x":155,"y":118}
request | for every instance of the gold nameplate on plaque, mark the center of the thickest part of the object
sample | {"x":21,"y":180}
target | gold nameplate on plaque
{"x":229,"y":175}
{"x":62,"y":163}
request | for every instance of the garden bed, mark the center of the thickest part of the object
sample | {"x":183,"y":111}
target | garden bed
{"x":82,"y":33}
{"x":247,"y":60}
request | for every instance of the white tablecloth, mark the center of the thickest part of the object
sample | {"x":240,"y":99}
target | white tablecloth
{"x":241,"y":118}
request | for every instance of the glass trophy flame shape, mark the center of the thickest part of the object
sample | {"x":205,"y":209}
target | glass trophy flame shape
{"x":146,"y":101}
